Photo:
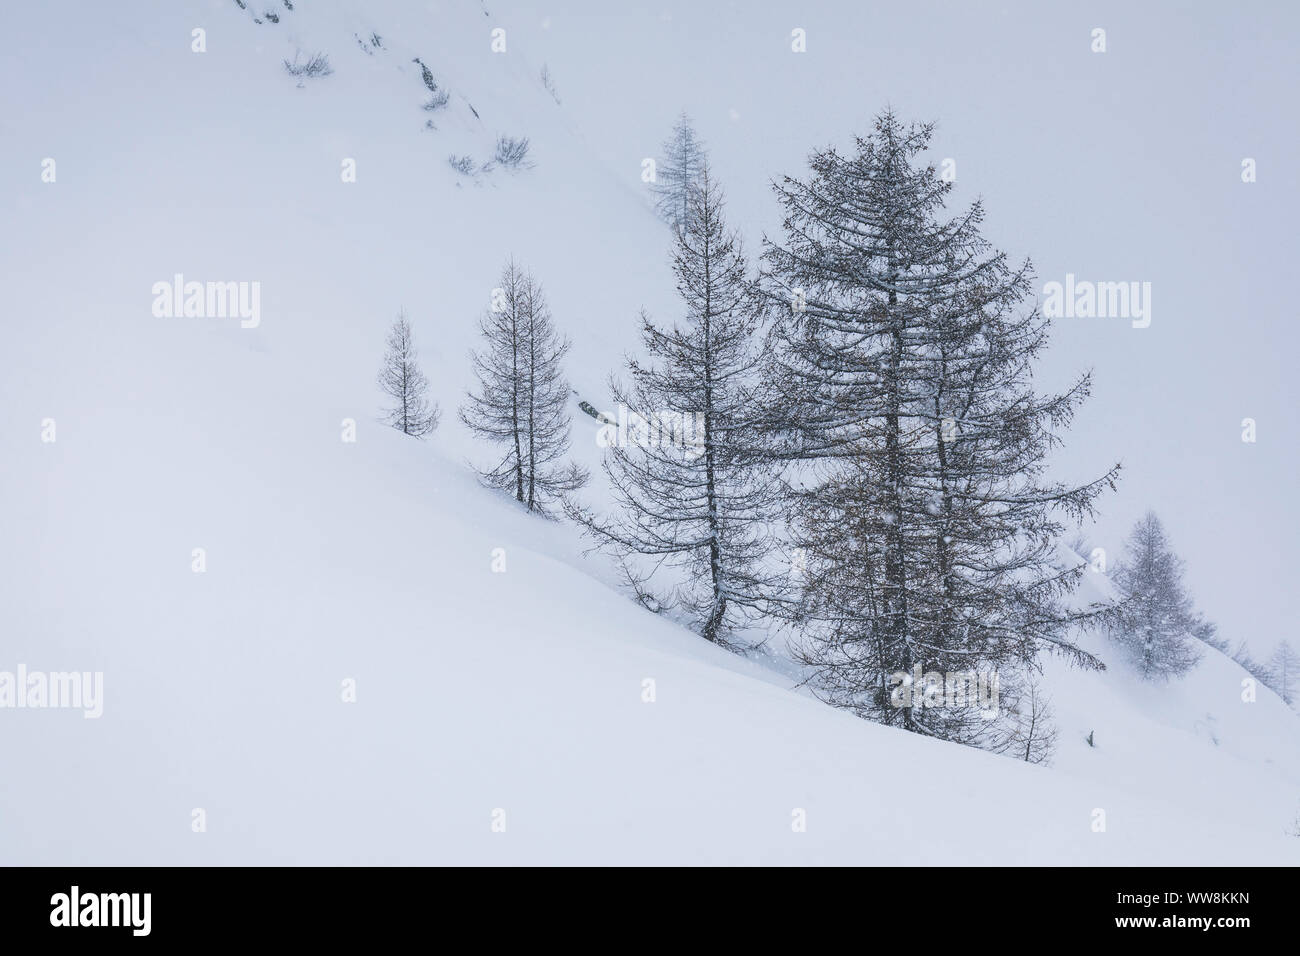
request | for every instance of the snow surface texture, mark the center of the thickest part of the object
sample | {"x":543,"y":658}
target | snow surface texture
{"x":371,"y":561}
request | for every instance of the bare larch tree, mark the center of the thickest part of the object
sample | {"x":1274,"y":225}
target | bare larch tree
{"x":678,"y":173}
{"x":691,"y":485}
{"x":411,"y":412}
{"x":521,"y":400}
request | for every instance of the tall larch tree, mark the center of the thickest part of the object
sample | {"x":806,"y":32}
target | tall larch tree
{"x":691,"y":483}
{"x":903,"y":357}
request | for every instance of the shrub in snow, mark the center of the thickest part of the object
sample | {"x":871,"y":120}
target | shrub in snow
{"x":427,"y":75}
{"x":512,"y":152}
{"x":317,"y":65}
{"x":548,"y":83}
{"x":462,"y":164}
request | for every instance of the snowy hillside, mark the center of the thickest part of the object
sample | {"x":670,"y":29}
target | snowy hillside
{"x":500,"y":673}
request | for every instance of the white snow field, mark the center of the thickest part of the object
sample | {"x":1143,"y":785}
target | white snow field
{"x":371,"y":561}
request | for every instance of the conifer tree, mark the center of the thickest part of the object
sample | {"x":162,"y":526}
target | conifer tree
{"x":521,"y":401}
{"x":1022,"y":728}
{"x":1157,"y":624}
{"x":691,"y":487}
{"x":903,"y":357}
{"x":679,"y":173}
{"x":411,"y":412}
{"x":1207,"y":632}
{"x":1284,"y":671}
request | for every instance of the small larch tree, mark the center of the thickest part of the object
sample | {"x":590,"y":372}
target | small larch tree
{"x":679,"y":173}
{"x":410,"y":412}
{"x":1157,"y":624}
{"x":1023,"y":728}
{"x":1284,"y":671}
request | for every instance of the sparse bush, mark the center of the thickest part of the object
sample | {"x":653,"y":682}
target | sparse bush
{"x":462,"y":164}
{"x":512,"y":152}
{"x":437,"y":101}
{"x":548,"y":83}
{"x":317,"y":65}
{"x":1022,"y":727}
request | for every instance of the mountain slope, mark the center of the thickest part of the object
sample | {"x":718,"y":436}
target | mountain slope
{"x":330,"y":561}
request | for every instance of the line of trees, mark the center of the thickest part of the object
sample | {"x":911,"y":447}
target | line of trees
{"x":1280,"y":671}
{"x":1157,"y":626}
{"x":520,"y":401}
{"x":871,"y":469}
{"x":862,"y":454}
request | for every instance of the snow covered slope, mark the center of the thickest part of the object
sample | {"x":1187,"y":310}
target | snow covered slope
{"x":481,"y":696}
